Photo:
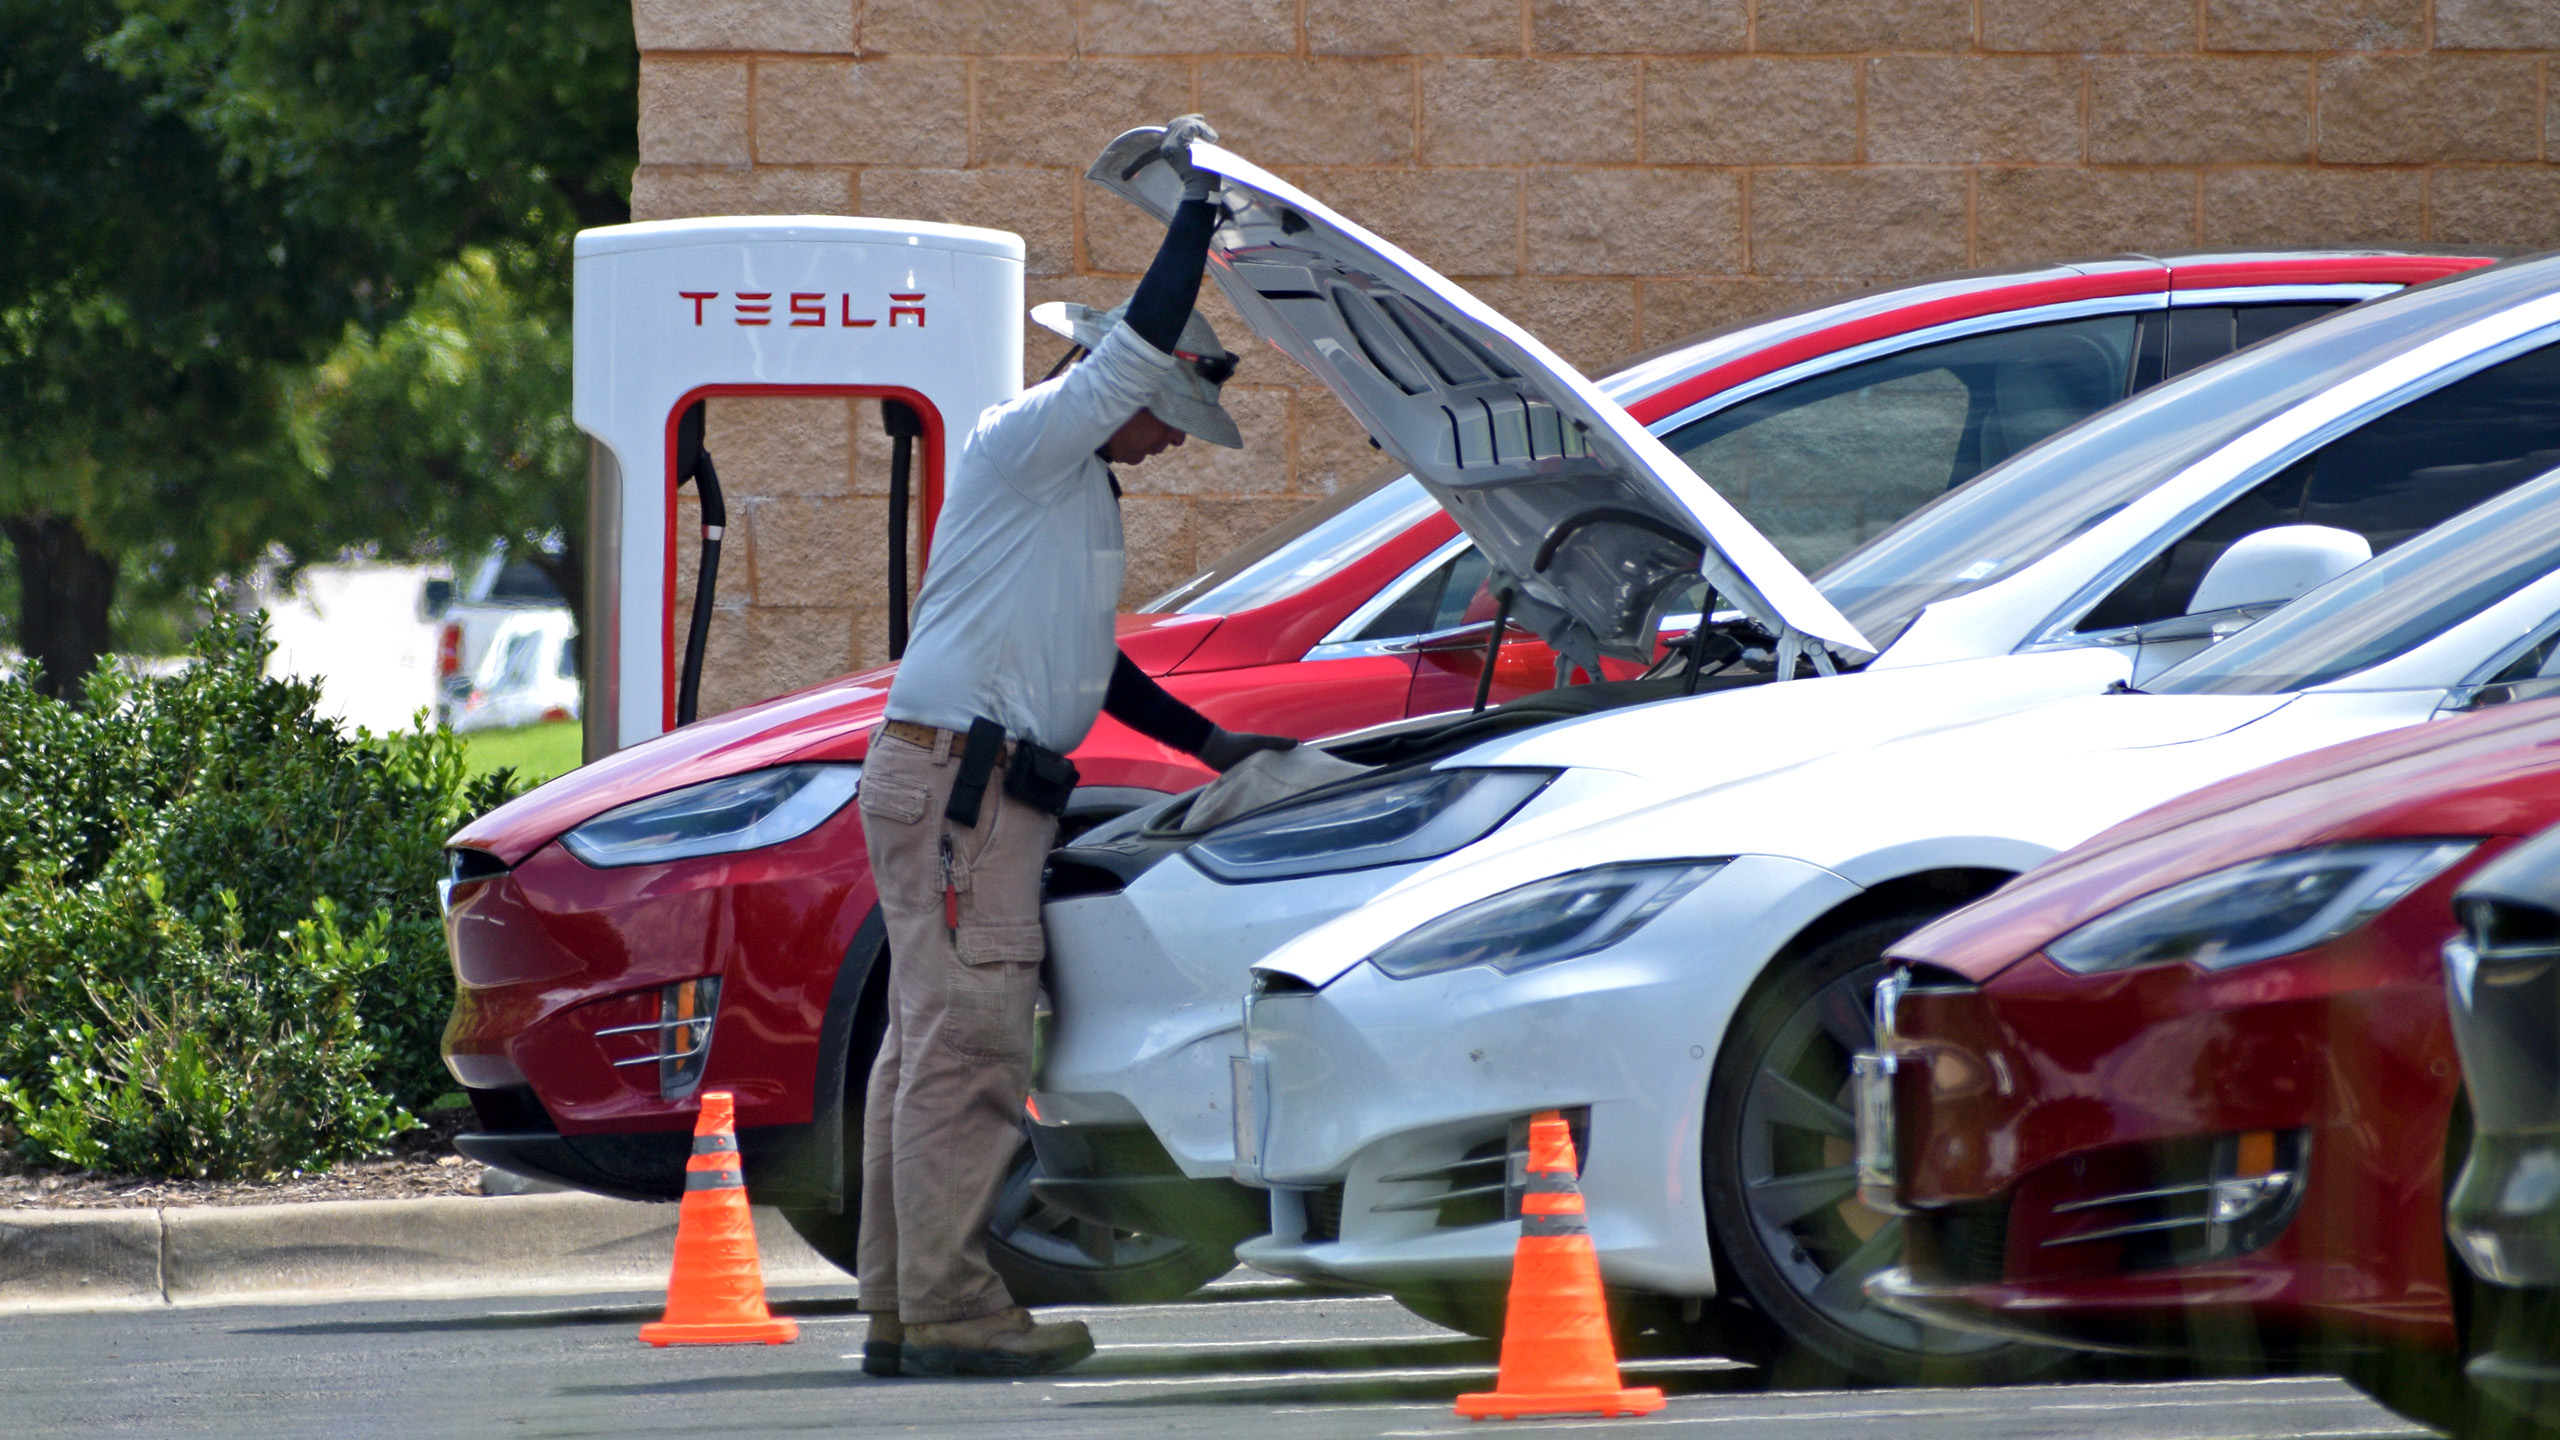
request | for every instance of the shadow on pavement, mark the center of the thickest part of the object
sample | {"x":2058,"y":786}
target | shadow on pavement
{"x":1347,"y":1355}
{"x":1408,"y":1380}
{"x":847,"y":1376}
{"x":625,"y":1314}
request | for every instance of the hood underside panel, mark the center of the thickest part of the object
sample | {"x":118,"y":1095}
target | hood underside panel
{"x":1601,"y":527}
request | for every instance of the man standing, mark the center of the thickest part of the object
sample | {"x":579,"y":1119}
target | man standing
{"x":1011,"y":657}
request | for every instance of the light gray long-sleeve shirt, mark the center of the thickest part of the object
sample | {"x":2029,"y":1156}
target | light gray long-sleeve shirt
{"x":1015,"y":620}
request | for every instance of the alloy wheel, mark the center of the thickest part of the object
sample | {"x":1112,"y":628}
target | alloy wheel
{"x":1798,"y":1171}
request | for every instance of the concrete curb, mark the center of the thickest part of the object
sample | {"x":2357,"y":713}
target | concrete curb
{"x":346,"y":1249}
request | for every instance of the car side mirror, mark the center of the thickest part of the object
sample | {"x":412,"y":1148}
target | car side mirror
{"x":2501,"y":692}
{"x":435,"y":598}
{"x":2269,"y":567}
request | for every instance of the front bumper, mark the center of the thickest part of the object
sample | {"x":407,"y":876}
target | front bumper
{"x":2165,"y":1158}
{"x":2504,"y":1214}
{"x":559,"y":966}
{"x":1148,"y":976}
{"x":1148,"y":984}
{"x":1383,"y":1101}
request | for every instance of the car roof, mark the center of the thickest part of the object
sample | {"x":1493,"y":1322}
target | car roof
{"x":1671,"y":377}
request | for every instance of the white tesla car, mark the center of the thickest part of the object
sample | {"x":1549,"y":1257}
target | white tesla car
{"x":1691,"y":980}
{"x":2091,"y":559}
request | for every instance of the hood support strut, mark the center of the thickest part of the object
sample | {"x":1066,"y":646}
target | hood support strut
{"x":1493,"y":647}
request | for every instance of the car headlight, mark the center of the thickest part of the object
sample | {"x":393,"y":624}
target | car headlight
{"x":717,"y":817}
{"x":1546,"y":920}
{"x":2259,"y":909}
{"x":1394,"y":822}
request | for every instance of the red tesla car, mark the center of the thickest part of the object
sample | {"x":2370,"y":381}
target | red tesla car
{"x":2192,"y":1086}
{"x":698,"y":909}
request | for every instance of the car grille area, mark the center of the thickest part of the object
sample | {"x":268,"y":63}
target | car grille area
{"x":1324,"y":1214}
{"x":2163,"y":1206}
{"x":1959,"y":1244}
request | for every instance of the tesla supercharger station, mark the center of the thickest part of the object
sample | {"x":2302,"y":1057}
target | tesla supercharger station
{"x":673,"y":312}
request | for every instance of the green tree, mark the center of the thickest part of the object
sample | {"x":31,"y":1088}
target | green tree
{"x":473,"y":138}
{"x":427,"y":126}
{"x":203,"y":197}
{"x":153,"y":299}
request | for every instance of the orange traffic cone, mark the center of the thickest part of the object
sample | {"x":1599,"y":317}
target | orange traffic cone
{"x":716,"y":1294}
{"x":1557,"y":1358}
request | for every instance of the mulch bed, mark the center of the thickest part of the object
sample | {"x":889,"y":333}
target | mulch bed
{"x":419,"y":1163}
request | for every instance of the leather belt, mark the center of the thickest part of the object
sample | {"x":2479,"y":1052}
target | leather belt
{"x":932,"y":736}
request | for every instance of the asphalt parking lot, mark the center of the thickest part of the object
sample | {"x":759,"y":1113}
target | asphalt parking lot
{"x":1247,"y":1357}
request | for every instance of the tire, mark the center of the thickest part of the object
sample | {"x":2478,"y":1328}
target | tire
{"x":1046,"y":1256}
{"x":1049,"y":1257}
{"x":1781,"y":1183}
{"x":2518,"y":1322}
{"x":2431,"y":1386}
{"x":1639,"y":1324}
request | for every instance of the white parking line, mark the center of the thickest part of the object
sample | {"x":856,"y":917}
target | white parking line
{"x":1354,"y":1376}
{"x":1143,"y":1347}
{"x":1757,"y":1413}
{"x":1437,"y":1372}
{"x":2199,"y":1404}
{"x":1379,"y":1408}
{"x":1660,"y":1420}
{"x":1259,"y":1344}
{"x":1347,"y":1302}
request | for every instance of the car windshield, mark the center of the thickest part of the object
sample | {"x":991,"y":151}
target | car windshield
{"x":2007,"y":518}
{"x":2388,"y":605}
{"x":1305,"y":548}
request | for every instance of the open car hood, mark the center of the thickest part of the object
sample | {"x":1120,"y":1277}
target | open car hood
{"x":1598,"y":525}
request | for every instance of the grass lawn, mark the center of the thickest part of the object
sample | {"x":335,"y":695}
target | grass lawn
{"x":536,"y":752}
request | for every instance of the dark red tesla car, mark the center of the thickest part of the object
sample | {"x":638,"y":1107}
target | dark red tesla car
{"x":698,"y":909}
{"x":2192,"y":1086}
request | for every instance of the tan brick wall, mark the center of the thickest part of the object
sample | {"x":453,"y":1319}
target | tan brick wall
{"x":1612,"y":173}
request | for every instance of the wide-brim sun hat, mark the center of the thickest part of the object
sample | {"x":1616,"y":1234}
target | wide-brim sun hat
{"x":1188,"y":398}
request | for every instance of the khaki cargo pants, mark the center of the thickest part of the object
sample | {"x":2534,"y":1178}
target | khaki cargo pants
{"x":942,"y":1121}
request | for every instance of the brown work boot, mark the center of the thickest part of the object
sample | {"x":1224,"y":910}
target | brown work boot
{"x":1009,"y":1342}
{"x":881,"y":1343}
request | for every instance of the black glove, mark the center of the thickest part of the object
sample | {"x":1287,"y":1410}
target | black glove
{"x":1175,"y":147}
{"x":1225,"y":749}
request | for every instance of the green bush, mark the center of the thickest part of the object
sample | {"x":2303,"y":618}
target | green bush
{"x":219,"y":946}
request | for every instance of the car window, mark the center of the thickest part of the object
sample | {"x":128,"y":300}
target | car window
{"x":1464,"y":596}
{"x":2008,"y":518}
{"x":1301,"y":550}
{"x":521,"y":580}
{"x":2540,"y":660}
{"x":1824,"y":464}
{"x":1453,"y":594}
{"x":515,"y":667}
{"x":2253,"y":323}
{"x":2391,"y":478}
{"x":2179,"y":339}
{"x":2390,"y":605}
{"x":2198,"y":335}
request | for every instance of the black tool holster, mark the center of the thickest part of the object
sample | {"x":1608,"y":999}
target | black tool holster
{"x":1042,"y":779}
